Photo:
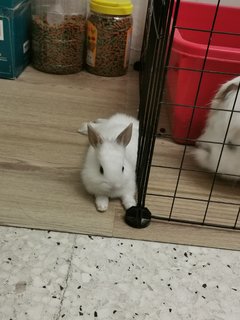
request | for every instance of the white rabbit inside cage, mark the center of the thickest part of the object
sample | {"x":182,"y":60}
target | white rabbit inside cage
{"x":222,"y":127}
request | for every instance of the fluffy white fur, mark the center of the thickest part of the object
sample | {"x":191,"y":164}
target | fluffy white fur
{"x":208,"y":154}
{"x":112,"y":156}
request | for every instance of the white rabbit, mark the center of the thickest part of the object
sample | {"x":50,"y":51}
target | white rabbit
{"x":109,"y":168}
{"x":208,"y":154}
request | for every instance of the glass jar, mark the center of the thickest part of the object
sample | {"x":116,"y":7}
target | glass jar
{"x":58,"y":35}
{"x":109,"y":32}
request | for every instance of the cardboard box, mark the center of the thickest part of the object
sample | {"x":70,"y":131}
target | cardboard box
{"x":15,"y":24}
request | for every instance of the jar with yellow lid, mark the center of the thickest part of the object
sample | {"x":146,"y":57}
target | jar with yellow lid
{"x":109,"y":32}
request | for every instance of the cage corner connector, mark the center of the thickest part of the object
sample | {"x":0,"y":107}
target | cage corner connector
{"x":138,"y":217}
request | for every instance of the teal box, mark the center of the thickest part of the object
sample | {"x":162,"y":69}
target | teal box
{"x":15,"y":24}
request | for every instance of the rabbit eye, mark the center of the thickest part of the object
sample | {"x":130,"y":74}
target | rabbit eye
{"x":122,"y":169}
{"x":101,"y":170}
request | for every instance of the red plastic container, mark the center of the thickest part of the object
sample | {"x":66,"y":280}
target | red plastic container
{"x":188,"y":52}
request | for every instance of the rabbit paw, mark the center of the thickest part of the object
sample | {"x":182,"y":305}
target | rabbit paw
{"x":102,"y":203}
{"x":128,"y":202}
{"x":84,"y":128}
{"x":100,"y":120}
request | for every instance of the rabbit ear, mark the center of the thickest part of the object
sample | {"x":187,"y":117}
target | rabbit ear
{"x":94,"y":137}
{"x":125,"y":136}
{"x":225,"y":89}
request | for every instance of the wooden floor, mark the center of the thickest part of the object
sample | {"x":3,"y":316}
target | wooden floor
{"x":41,"y":155}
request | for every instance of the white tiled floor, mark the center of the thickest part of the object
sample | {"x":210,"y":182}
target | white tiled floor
{"x":50,"y":276}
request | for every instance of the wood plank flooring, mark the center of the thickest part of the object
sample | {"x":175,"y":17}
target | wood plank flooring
{"x":41,"y":155}
{"x":41,"y":152}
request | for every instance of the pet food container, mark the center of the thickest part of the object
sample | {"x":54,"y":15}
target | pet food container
{"x":58,"y":35}
{"x":109,"y":32}
{"x":190,"y":98}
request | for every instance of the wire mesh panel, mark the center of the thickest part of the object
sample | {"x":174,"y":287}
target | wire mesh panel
{"x":189,"y":51}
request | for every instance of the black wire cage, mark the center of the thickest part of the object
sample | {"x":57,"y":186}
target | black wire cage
{"x":171,"y":185}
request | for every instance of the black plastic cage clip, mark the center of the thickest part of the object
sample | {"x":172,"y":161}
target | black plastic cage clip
{"x":138,"y":217}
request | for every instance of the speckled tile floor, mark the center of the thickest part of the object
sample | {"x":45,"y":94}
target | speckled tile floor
{"x":50,"y":276}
